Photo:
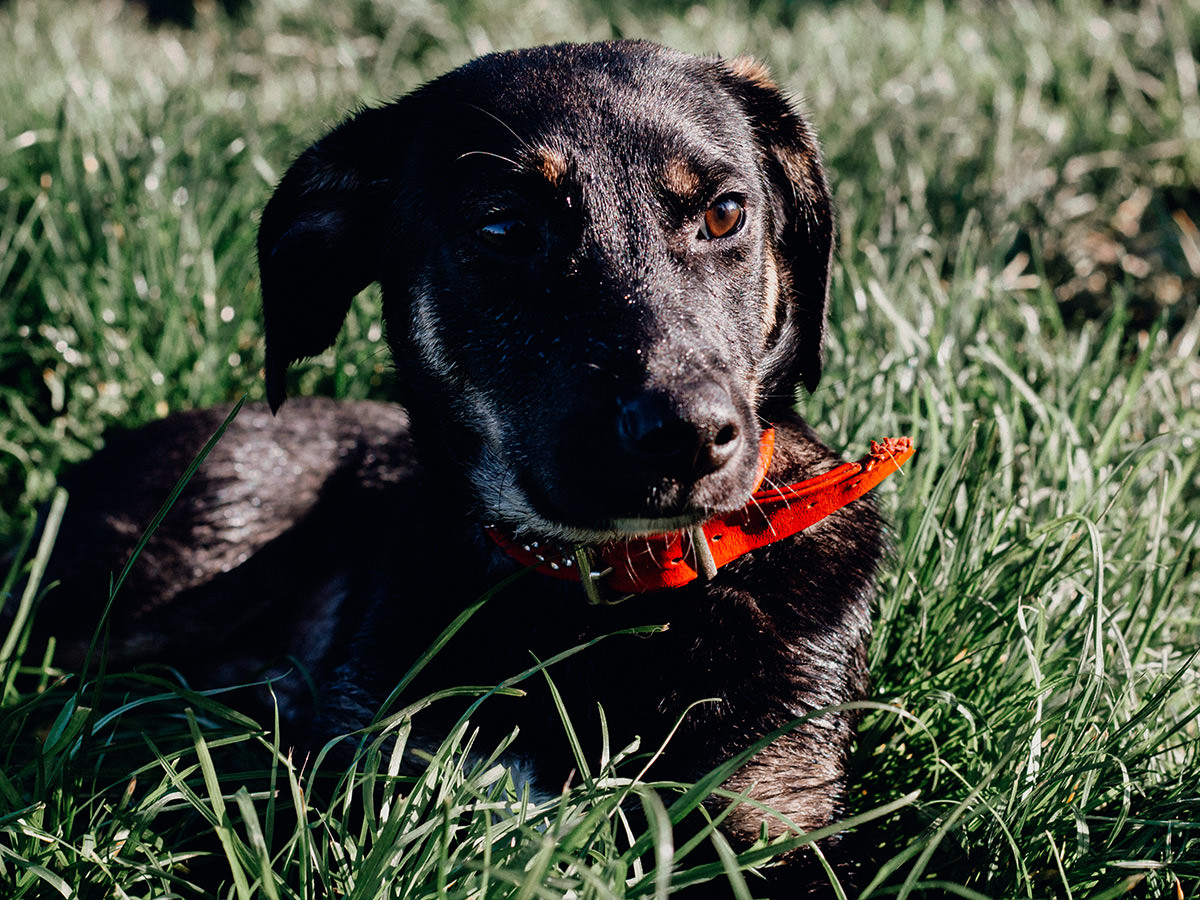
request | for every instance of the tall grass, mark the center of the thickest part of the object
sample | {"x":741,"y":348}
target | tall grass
{"x":1016,"y":287}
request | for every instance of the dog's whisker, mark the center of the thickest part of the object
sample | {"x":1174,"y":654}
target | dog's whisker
{"x":488,"y":153}
{"x":758,"y":506}
{"x":629,"y":564}
{"x":522,"y":142}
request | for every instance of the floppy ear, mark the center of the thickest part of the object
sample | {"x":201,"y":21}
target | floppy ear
{"x":803,"y":217}
{"x":322,"y":237}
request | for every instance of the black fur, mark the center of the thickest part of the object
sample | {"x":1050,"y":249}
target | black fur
{"x":578,"y":360}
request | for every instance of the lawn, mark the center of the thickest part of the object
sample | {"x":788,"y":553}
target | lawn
{"x":1016,"y":287}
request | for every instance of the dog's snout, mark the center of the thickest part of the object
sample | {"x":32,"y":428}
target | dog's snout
{"x":682,"y":442}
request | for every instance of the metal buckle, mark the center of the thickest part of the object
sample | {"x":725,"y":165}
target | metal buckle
{"x":597,"y":594}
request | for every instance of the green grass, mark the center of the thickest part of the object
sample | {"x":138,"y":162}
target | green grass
{"x":1016,"y":287}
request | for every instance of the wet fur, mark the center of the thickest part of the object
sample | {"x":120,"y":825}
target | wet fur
{"x":347,"y":535}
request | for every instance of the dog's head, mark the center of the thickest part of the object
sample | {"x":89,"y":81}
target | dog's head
{"x":603,"y":267}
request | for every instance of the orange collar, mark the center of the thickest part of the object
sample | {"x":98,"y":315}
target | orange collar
{"x":640,"y":564}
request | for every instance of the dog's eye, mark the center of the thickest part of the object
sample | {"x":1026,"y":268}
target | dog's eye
{"x":722,"y":219}
{"x":511,"y":236}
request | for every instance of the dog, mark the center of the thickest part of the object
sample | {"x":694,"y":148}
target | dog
{"x":604,"y":272}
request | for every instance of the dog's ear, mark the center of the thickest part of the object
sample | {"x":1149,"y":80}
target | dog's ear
{"x":322,"y":237}
{"x":803,"y":217}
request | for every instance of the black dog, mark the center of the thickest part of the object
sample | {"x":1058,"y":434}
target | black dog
{"x":604,"y":272}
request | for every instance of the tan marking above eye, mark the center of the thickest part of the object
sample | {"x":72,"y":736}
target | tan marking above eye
{"x":723,"y":218}
{"x":552,"y":165}
{"x":680,"y":179}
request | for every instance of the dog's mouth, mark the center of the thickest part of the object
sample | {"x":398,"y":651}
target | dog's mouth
{"x":520,"y":514}
{"x":595,"y":513}
{"x":614,"y":530}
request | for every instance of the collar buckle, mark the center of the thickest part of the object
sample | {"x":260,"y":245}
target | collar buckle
{"x":592,"y":580}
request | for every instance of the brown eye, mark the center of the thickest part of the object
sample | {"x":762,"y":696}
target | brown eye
{"x":722,"y":219}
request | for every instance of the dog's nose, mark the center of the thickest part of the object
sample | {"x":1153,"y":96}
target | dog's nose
{"x":687,"y":435}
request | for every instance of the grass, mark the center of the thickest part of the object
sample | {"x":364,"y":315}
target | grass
{"x":1016,"y":287}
